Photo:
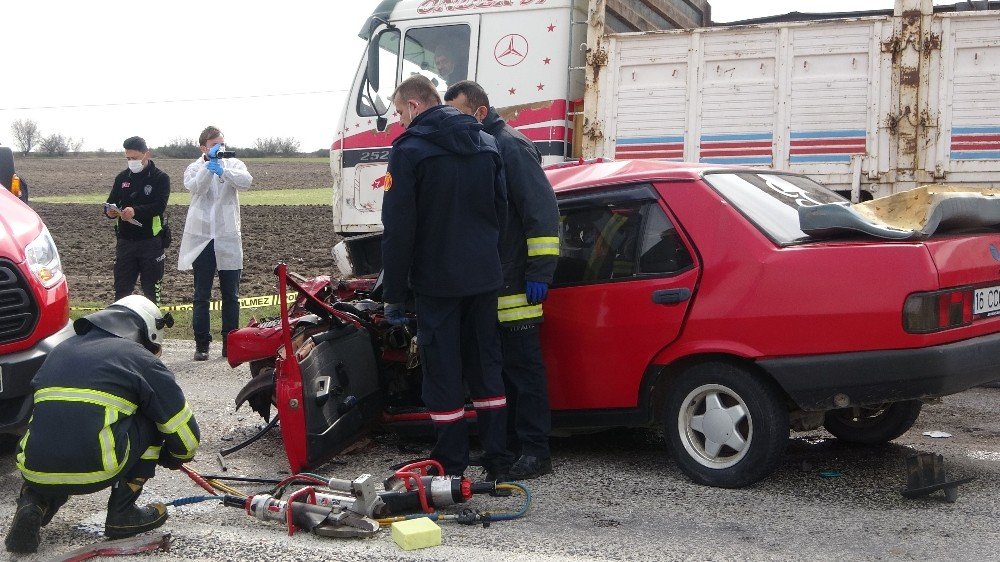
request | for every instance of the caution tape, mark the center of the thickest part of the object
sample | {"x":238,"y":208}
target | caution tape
{"x":246,"y":302}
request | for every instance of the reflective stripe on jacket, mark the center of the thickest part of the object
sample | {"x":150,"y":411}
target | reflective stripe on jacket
{"x":80,"y":434}
{"x":530,"y":246}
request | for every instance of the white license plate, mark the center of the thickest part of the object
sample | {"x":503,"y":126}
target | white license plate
{"x":986,"y":300}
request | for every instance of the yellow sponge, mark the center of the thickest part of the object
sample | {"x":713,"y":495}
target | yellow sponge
{"x":416,"y":533}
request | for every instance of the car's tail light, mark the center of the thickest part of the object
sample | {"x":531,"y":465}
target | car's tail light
{"x":15,"y":185}
{"x":940,"y":310}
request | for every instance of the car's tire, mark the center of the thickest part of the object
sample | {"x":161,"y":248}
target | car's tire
{"x":717,"y":403}
{"x":872,"y":425}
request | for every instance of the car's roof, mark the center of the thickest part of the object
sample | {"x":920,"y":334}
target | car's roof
{"x":580,"y":175}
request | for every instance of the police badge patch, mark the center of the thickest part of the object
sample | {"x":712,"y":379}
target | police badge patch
{"x":148,"y":189}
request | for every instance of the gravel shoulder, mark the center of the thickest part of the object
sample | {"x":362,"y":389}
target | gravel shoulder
{"x":613,"y":496}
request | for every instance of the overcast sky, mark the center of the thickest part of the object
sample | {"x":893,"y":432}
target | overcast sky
{"x":105,"y":70}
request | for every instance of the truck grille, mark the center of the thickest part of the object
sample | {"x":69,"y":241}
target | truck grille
{"x":18,"y":311}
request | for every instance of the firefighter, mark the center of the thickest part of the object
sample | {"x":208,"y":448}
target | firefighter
{"x":529,"y":253}
{"x":444,"y":207}
{"x":106,"y":411}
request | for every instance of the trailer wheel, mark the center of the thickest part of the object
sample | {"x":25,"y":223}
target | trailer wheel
{"x":725,"y":425}
{"x":872,"y":425}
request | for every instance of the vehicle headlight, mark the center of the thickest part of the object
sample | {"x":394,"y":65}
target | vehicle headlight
{"x":43,"y":259}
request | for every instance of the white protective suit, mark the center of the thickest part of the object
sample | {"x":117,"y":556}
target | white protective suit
{"x":214,"y":213}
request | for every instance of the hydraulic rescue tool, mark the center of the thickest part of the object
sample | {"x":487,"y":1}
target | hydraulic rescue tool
{"x":354,"y":508}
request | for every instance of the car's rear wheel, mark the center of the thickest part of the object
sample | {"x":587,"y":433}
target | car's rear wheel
{"x":725,"y":425}
{"x":872,"y":425}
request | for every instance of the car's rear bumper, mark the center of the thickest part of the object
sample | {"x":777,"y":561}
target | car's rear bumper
{"x":826,"y":382}
{"x":16,"y":371}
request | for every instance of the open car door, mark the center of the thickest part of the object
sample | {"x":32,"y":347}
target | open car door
{"x":326,"y":384}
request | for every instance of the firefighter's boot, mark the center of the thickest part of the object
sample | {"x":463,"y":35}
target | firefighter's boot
{"x":33,"y":512}
{"x":125,"y":518}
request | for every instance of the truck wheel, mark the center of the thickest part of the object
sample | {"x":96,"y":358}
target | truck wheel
{"x":725,"y":426}
{"x":872,"y":425}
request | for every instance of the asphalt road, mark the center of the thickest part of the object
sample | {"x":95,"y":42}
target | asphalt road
{"x":613,"y":496}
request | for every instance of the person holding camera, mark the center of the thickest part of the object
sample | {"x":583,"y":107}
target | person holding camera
{"x":138,"y":200}
{"x":212,"y":240}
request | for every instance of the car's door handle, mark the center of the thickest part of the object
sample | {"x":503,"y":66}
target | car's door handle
{"x":671,"y":296}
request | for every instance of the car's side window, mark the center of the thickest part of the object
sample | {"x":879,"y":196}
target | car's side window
{"x":598,"y":243}
{"x":662,"y":250}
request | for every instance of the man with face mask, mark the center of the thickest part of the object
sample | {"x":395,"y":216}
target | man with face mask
{"x":106,"y":412}
{"x":140,"y":194}
{"x":212,"y":240}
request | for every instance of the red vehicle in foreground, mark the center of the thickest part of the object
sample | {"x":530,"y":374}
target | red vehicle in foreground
{"x":34,"y":307}
{"x":689,"y":296}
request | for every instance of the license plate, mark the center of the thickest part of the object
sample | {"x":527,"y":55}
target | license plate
{"x":985,"y":301}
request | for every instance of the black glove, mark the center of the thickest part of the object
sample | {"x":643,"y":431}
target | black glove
{"x":169,"y":461}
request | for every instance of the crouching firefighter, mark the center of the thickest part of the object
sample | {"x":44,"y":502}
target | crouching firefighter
{"x":106,"y":411}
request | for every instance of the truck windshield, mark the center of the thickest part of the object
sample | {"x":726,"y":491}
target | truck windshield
{"x":440,"y":53}
{"x":771,"y":201}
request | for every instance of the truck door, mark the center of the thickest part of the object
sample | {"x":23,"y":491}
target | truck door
{"x":621,"y":291}
{"x":438,"y":48}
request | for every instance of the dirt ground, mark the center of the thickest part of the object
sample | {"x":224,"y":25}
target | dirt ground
{"x":299,"y":235}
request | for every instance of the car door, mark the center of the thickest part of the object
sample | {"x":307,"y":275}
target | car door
{"x":622,"y":288}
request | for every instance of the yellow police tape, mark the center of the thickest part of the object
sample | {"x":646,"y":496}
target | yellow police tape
{"x":246,"y":302}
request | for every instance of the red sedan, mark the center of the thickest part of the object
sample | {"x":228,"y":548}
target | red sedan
{"x":730,"y":305}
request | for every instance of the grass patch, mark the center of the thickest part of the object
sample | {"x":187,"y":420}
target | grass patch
{"x":311,"y":196}
{"x":290,"y":160}
{"x":182,"y":319}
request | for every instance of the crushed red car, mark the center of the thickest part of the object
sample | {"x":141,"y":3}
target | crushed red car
{"x":729,"y":305}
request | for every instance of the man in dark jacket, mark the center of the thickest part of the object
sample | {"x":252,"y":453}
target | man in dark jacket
{"x":529,"y":252}
{"x":444,"y":207}
{"x":140,"y":195}
{"x":106,"y":412}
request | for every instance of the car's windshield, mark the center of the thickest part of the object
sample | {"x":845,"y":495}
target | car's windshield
{"x":771,"y":201}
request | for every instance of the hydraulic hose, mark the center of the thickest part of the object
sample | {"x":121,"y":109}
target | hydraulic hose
{"x":192,"y":499}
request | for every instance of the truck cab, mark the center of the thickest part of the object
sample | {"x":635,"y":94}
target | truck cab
{"x":526,"y":54}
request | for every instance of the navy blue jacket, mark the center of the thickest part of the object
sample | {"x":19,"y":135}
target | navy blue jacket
{"x":444,"y":209}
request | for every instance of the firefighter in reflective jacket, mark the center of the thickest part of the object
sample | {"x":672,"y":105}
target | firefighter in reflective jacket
{"x":106,"y":411}
{"x":529,"y":252}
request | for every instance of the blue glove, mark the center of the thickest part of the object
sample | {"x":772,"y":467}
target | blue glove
{"x":394,"y":314}
{"x":215,"y":166}
{"x":214,"y":151}
{"x":536,"y":291}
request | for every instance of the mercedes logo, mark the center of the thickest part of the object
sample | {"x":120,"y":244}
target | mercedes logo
{"x":511,"y":50}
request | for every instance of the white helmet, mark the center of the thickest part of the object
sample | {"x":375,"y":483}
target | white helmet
{"x":133,"y":318}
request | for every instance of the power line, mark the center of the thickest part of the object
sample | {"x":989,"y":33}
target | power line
{"x":151,"y":102}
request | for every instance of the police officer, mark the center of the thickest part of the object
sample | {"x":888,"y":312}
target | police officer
{"x":444,"y":207}
{"x":529,"y":252}
{"x":106,"y":412}
{"x":140,"y":193}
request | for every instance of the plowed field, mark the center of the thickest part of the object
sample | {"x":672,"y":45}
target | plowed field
{"x":299,"y":235}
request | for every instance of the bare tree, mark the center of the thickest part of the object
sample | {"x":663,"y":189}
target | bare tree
{"x":55,"y":145}
{"x":74,"y":144}
{"x":26,"y":134}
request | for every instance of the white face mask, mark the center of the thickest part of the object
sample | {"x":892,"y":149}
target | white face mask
{"x":135,"y":166}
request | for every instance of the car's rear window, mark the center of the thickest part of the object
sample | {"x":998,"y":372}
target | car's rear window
{"x":771,"y":201}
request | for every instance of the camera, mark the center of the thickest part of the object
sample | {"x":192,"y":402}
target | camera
{"x":225,"y":154}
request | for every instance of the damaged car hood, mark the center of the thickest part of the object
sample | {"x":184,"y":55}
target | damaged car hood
{"x":909,"y":215}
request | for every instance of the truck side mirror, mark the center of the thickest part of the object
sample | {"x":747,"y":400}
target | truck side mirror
{"x":371,"y":74}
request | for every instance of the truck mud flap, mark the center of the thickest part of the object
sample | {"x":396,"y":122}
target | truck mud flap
{"x":328,"y":399}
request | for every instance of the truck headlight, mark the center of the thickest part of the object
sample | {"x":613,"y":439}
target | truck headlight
{"x":43,"y":261}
